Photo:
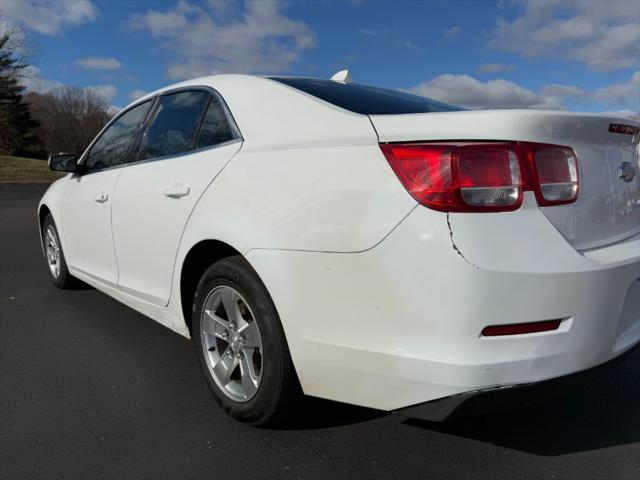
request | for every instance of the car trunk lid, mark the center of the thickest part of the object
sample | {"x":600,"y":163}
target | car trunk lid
{"x":608,"y":206}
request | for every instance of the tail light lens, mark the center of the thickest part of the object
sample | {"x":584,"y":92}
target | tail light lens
{"x":489,"y":176}
{"x":556,"y":169}
{"x":484,"y":176}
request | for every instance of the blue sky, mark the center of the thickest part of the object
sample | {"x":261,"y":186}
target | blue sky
{"x":580,"y":55}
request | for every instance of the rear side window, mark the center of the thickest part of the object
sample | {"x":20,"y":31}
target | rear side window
{"x":114,"y":146}
{"x":173,"y":128}
{"x":365,"y":99}
{"x":215,"y":127}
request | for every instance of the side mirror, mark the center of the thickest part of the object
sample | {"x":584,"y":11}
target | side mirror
{"x":64,"y":162}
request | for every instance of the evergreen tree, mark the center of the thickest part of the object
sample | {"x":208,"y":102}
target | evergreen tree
{"x":17,"y":127}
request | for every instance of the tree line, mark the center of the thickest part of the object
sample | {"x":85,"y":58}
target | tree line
{"x":36,"y":125}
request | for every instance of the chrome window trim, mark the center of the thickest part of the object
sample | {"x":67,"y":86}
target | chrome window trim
{"x":168,"y":157}
{"x":151,"y":114}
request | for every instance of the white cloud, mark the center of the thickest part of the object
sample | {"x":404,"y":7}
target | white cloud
{"x":113,"y":110}
{"x":34,"y":82}
{"x":453,"y":31}
{"x":467,"y":91}
{"x":495,"y":68}
{"x":108,"y":92}
{"x":99,"y":63}
{"x":604,"y":35}
{"x":627,"y":93}
{"x":557,"y":89}
{"x":499,"y":93}
{"x":47,"y":16}
{"x":207,"y":40}
{"x":136,"y":94}
{"x":222,"y":8}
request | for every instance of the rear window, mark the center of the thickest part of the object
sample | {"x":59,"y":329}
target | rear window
{"x":215,"y":127}
{"x":365,"y":99}
{"x":175,"y":123}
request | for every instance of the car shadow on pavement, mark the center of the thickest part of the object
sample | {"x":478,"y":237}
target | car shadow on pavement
{"x":599,"y":409}
{"x":317,"y":413}
{"x":79,"y":285}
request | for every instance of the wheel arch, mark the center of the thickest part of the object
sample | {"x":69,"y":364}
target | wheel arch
{"x":200,"y":257}
{"x":43,"y":211}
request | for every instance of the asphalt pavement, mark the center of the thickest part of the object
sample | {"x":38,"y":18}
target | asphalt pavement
{"x":90,"y":389}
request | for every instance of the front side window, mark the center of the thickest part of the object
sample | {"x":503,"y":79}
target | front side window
{"x":215,"y":127}
{"x":174,"y":126}
{"x":114,"y":146}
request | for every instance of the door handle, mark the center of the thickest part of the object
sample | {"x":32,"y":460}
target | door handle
{"x":102,"y":197}
{"x":177,"y":190}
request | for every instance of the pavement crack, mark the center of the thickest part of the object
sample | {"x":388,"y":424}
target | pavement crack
{"x":455,"y":247}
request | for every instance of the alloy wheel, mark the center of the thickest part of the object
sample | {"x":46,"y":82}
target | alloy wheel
{"x":231,"y":343}
{"x":52,"y":247}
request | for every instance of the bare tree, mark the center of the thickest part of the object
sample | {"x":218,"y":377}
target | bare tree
{"x":35,"y":124}
{"x":69,"y":117}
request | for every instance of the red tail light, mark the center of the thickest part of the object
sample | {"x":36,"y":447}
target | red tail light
{"x":555,"y":173}
{"x":484,"y":176}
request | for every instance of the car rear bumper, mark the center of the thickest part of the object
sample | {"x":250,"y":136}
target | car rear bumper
{"x":495,"y":399}
{"x":400,"y":324}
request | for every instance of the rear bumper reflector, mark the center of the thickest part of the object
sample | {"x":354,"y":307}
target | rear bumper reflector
{"x":520,"y":328}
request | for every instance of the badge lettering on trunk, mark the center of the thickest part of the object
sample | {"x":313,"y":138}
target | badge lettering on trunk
{"x":626,"y":172}
{"x":624,"y":129}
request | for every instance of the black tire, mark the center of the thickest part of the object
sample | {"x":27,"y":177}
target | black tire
{"x":64,"y":279}
{"x":279,"y":391}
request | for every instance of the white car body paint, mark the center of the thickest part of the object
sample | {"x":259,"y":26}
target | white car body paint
{"x":148,"y":227}
{"x":85,"y":216}
{"x":382,"y":300}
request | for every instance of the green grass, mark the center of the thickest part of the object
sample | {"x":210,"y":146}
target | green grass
{"x":25,"y":170}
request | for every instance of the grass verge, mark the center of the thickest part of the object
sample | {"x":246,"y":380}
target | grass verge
{"x":26,"y":170}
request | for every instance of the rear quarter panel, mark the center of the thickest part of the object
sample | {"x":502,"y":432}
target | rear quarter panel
{"x":339,"y":199}
{"x":309,"y":176}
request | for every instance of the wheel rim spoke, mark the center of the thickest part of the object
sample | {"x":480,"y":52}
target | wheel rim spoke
{"x":212,"y":323}
{"x":248,"y":375}
{"x":250,"y":335}
{"x":230,"y":304}
{"x":225,"y":367}
{"x":208,"y":325}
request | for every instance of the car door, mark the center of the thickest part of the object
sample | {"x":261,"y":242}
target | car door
{"x":86,"y":204}
{"x":188,"y":140}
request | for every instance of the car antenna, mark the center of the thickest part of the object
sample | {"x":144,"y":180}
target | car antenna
{"x":343,"y":76}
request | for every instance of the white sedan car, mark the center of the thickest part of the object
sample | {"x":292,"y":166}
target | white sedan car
{"x":355,"y":243}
